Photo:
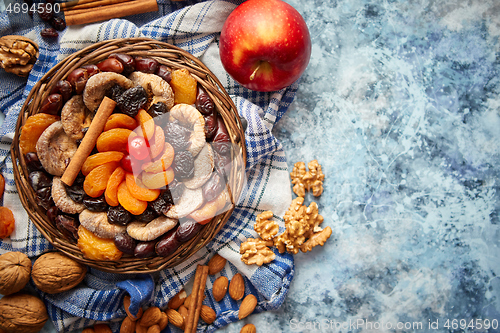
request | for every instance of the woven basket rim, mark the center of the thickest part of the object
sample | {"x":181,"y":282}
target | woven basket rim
{"x":173,"y":57}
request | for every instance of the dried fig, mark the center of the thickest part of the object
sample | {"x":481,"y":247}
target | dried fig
{"x":54,"y":272}
{"x":15,"y":269}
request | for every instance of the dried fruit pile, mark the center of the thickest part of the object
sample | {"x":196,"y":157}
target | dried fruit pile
{"x":157,"y":171}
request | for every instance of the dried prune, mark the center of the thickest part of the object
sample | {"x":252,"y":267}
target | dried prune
{"x":44,"y":197}
{"x":132,"y":100}
{"x":98,"y":204}
{"x":204,"y":103}
{"x":187,"y":230}
{"x":146,"y":65}
{"x":211,"y":125}
{"x":52,"y":104}
{"x":167,"y":244}
{"x":148,"y":215}
{"x":68,"y":226}
{"x":127,"y":61}
{"x":45,"y":11}
{"x":162,"y":204}
{"x":164,"y":72}
{"x":32,"y":162}
{"x":125,"y":243}
{"x":64,"y":88}
{"x":52,"y":212}
{"x":176,"y":190}
{"x":158,"y":109}
{"x":213,"y":187}
{"x":115,"y":92}
{"x":76,"y":192}
{"x":119,"y":215}
{"x":40,"y":179}
{"x":145,"y":249}
{"x":58,"y":23}
{"x":49,"y":33}
{"x":177,"y":136}
{"x":183,"y":165}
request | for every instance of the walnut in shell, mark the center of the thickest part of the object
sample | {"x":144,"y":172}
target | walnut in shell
{"x":15,"y":270}
{"x":54,"y":272}
{"x":22,"y":313}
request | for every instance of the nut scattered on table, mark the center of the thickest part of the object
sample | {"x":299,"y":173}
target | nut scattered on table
{"x":247,"y":306}
{"x":15,"y":270}
{"x":219,"y":288}
{"x":307,"y":180}
{"x":265,"y":227}
{"x":17,"y":54}
{"x":297,"y":175}
{"x":216,"y":264}
{"x":22,"y":313}
{"x":237,"y":287}
{"x":256,"y":251}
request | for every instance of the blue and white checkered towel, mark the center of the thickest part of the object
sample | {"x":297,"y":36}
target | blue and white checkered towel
{"x":194,"y":27}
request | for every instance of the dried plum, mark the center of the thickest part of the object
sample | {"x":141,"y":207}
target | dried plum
{"x":76,"y":192}
{"x":98,"y":204}
{"x":204,"y":103}
{"x":115,"y":92}
{"x":222,"y":142}
{"x":119,"y":215}
{"x":40,"y":179}
{"x":52,"y":212}
{"x":162,"y":204}
{"x":132,"y":100}
{"x":44,"y":197}
{"x":148,"y":215}
{"x":183,"y":165}
{"x":158,"y":109}
{"x":177,"y":136}
{"x":68,"y":226}
{"x":125,"y":243}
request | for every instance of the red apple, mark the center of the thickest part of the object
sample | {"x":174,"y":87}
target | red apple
{"x":265,"y":45}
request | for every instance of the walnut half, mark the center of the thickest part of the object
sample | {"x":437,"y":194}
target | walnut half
{"x":17,"y":54}
{"x":256,"y":251}
{"x":266,"y":228}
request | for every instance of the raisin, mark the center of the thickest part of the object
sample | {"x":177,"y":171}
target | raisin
{"x":98,"y":204}
{"x":132,"y":100}
{"x":177,"y":136}
{"x":119,"y":215}
{"x":68,"y":226}
{"x":32,"y":162}
{"x":49,"y":33}
{"x":204,"y":103}
{"x":76,"y":192}
{"x":115,"y":92}
{"x":125,"y":243}
{"x":58,"y":23}
{"x":183,"y":165}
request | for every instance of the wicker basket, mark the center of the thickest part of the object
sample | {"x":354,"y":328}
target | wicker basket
{"x":168,"y":55}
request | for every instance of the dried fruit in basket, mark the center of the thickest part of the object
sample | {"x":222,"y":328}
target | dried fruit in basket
{"x":184,"y":86}
{"x":7,"y":222}
{"x":97,"y":248}
{"x":32,"y":129}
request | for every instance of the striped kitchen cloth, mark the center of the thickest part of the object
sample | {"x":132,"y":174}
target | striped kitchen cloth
{"x":195,"y":27}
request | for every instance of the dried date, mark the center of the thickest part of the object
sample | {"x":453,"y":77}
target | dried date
{"x":146,"y":65}
{"x":187,"y":230}
{"x":64,"y":88}
{"x":127,"y":61}
{"x":204,"y":103}
{"x":68,"y":226}
{"x":125,"y":243}
{"x":167,"y":244}
{"x":145,"y":249}
{"x":52,"y":104}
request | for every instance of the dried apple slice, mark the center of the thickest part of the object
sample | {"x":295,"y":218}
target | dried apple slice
{"x":203,"y":166}
{"x":190,"y":201}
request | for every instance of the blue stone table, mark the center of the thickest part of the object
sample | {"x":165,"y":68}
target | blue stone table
{"x":400,"y":105}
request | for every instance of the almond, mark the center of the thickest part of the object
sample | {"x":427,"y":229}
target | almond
{"x":102,"y":328}
{"x":219,"y":288}
{"x":126,"y":305}
{"x":207,"y":314}
{"x":183,"y":311}
{"x":247,"y":306}
{"x":177,"y":300}
{"x":128,"y":326}
{"x":187,"y":301}
{"x":150,"y":317}
{"x":175,"y":318}
{"x":154,"y":329}
{"x":163,"y":321}
{"x":140,"y":329}
{"x":237,"y":287}
{"x":248,"y":328}
{"x":216,"y":264}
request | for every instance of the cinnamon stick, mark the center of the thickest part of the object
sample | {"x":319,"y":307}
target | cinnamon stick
{"x":102,"y":13}
{"x":200,"y":280}
{"x":89,"y":140}
{"x":93,"y":4}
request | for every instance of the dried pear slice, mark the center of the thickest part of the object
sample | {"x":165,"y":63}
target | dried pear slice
{"x":192,"y":119}
{"x":190,"y":201}
{"x":203,"y":166}
{"x":147,"y":231}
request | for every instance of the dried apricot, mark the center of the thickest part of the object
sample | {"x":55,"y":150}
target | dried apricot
{"x":96,"y":248}
{"x":133,"y":205}
{"x":111,"y":192}
{"x":115,"y":139}
{"x":32,"y":129}
{"x":184,"y":86}
{"x":158,"y":180}
{"x":96,"y":181}
{"x":157,"y":143}
{"x":147,"y":124}
{"x":138,"y":190}
{"x":163,"y":163}
{"x":7,"y":222}
{"x":2,"y":185}
{"x":120,"y":120}
{"x":95,"y":160}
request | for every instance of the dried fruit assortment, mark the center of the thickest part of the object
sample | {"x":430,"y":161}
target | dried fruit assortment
{"x":157,"y":171}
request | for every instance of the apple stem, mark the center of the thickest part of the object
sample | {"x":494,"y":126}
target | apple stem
{"x":254,"y":72}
